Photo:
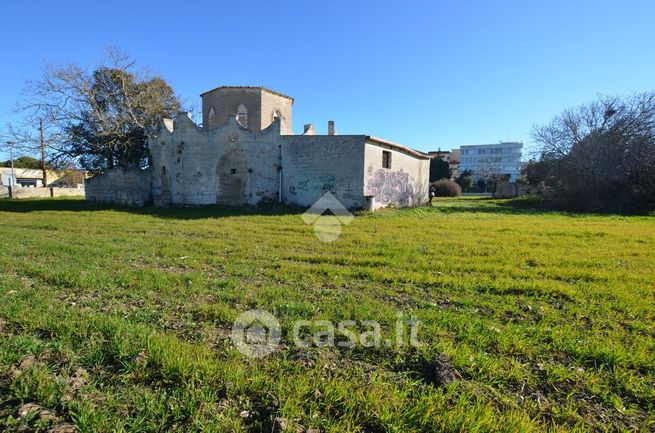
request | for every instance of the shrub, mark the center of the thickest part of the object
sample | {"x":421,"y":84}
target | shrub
{"x":464,"y":181}
{"x":445,"y":188}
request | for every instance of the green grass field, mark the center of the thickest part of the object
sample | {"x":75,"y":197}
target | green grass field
{"x":119,"y":319}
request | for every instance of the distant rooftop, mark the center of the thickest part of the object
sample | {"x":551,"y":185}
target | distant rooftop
{"x":397,"y":146}
{"x":264,"y":89}
{"x":502,"y":143}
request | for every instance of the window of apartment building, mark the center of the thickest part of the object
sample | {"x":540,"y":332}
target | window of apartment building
{"x":386,"y":159}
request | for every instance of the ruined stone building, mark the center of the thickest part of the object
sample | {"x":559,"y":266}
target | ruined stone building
{"x":246,"y":153}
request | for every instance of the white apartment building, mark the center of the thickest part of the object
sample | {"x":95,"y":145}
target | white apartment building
{"x":486,"y":159}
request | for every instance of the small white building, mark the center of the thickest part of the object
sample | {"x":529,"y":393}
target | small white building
{"x":492,"y":159}
{"x":22,"y":177}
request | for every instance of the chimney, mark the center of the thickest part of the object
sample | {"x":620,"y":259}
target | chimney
{"x":331,"y":130}
{"x":309,"y":130}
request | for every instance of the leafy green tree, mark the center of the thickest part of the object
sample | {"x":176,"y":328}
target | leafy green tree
{"x":23,"y":162}
{"x":465,"y":179}
{"x":439,"y":169}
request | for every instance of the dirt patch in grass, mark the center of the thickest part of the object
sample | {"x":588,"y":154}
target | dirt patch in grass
{"x":436,"y":371}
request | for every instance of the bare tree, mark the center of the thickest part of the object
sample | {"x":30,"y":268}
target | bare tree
{"x":97,"y":119}
{"x":490,"y":175}
{"x":601,"y":156}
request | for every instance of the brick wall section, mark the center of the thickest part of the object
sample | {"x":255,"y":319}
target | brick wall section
{"x":130,"y":187}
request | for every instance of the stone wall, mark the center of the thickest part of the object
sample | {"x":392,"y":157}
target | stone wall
{"x":260,"y":104}
{"x":406,"y":183}
{"x":39,"y":192}
{"x":270,"y":103}
{"x":28,"y":192}
{"x":68,"y":192}
{"x":228,"y":164}
{"x":130,"y":187}
{"x":315,"y":164}
{"x":225,"y":102}
{"x":232,"y":165}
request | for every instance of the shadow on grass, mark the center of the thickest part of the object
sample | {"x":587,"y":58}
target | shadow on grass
{"x":181,"y":212}
{"x":527,"y":205}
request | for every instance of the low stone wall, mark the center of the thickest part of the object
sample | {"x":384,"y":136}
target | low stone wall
{"x":67,"y":192}
{"x":131,"y":187}
{"x":29,"y":192}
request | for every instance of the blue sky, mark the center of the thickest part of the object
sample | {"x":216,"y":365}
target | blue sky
{"x":426,"y":74}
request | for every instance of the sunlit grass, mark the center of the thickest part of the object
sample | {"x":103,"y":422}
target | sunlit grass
{"x":547,"y":317}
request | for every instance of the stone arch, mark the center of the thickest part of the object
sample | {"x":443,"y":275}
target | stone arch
{"x":212,"y":114}
{"x":277,"y":114}
{"x":233,"y":176}
{"x":242,"y":115}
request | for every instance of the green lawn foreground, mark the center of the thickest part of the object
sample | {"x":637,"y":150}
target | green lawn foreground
{"x":117,"y":319}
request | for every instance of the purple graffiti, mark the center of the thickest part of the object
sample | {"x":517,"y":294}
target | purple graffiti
{"x":390,"y":187}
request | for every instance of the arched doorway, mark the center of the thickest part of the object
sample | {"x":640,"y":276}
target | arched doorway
{"x":233,"y":178}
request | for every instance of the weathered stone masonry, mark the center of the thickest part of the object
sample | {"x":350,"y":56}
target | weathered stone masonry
{"x":228,"y":162}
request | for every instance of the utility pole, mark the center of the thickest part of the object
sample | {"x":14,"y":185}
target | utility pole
{"x":45,"y":176}
{"x":11,"y":157}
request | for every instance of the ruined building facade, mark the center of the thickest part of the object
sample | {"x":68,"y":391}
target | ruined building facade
{"x":246,"y":153}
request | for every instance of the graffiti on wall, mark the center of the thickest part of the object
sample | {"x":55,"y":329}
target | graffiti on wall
{"x":390,"y":187}
{"x":323,"y":184}
{"x":315,"y":186}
